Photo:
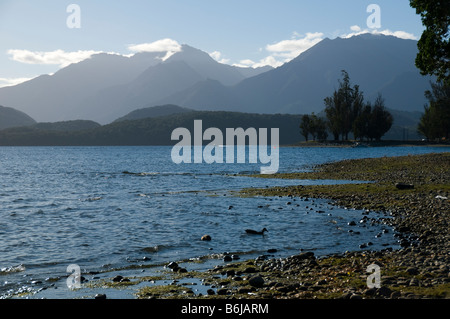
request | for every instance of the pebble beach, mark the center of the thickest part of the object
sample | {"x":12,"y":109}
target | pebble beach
{"x":413,"y":190}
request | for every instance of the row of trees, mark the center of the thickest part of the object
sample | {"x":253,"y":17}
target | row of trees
{"x":314,"y":125}
{"x":347,"y":112}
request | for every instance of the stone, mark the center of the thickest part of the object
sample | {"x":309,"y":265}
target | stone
{"x":172,"y":265}
{"x":206,"y":238}
{"x":118,"y":278}
{"x":305,"y":255}
{"x":412,"y":271}
{"x":244,"y":290}
{"x":370,"y":291}
{"x":402,"y":186}
{"x":100,"y":296}
{"x":256,"y":281}
{"x":222,"y":291}
{"x":384,"y":291}
{"x":250,"y":270}
{"x":210,"y":292}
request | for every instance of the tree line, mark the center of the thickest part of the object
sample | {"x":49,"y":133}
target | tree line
{"x":346,"y":112}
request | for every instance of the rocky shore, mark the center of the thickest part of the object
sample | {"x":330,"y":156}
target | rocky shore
{"x":421,"y":215}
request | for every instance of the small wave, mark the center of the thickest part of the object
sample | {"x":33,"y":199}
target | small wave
{"x":13,"y":269}
{"x":140,"y":174}
{"x":92,"y":199}
{"x":156,"y":248}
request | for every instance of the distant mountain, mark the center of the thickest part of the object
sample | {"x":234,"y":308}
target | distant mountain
{"x":66,"y":126}
{"x":152,"y":130}
{"x":107,"y":86}
{"x":57,"y":97}
{"x":377,"y":63}
{"x":179,"y":72}
{"x":10,"y":117}
{"x":153,"y":111}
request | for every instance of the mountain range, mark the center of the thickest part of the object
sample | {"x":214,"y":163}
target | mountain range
{"x":107,"y":86}
{"x":377,"y":63}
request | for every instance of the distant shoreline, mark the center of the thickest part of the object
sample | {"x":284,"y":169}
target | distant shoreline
{"x":393,"y":143}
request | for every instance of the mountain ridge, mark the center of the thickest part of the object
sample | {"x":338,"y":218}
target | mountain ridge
{"x":106,"y":86}
{"x":373,"y":62}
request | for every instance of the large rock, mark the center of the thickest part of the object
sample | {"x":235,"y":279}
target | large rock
{"x":256,"y":281}
{"x":404,"y":186}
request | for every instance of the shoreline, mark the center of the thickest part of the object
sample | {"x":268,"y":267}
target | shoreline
{"x":419,"y":270}
{"x":356,"y":144}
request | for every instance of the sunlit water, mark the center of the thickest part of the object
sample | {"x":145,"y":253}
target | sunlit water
{"x":80,"y":205}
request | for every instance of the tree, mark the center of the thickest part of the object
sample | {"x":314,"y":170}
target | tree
{"x":361,"y":123}
{"x":380,"y":119}
{"x":433,"y":57}
{"x":425,"y":126}
{"x":347,"y":112}
{"x":305,"y":126}
{"x":435,"y":122}
{"x":318,"y":128}
{"x":343,"y":107}
{"x":333,"y":116}
{"x":314,"y":125}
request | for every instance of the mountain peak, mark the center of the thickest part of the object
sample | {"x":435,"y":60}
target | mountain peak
{"x":191,"y":54}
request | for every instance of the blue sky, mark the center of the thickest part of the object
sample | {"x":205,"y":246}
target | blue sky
{"x":35,"y":37}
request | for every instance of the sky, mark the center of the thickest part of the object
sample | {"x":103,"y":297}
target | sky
{"x":42,"y":36}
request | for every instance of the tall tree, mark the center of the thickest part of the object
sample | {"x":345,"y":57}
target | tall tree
{"x":305,"y":126}
{"x":319,"y":128}
{"x":361,"y":123}
{"x":435,"y":122}
{"x":380,"y":119}
{"x":434,"y":45}
{"x":343,"y":107}
{"x":332,"y":112}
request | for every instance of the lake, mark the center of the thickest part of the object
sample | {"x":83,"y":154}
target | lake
{"x":108,"y":208}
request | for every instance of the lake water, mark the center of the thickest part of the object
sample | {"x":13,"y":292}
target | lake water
{"x":78,"y":205}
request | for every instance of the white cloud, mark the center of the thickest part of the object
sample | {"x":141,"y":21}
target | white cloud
{"x":164,"y":45}
{"x":270,"y":60}
{"x":292,"y":48}
{"x":245,"y":63}
{"x":56,"y":57}
{"x":285,"y":50}
{"x":12,"y":81}
{"x":63,"y":58}
{"x":399,"y":34}
{"x":216,"y":55}
{"x":355,"y":28}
